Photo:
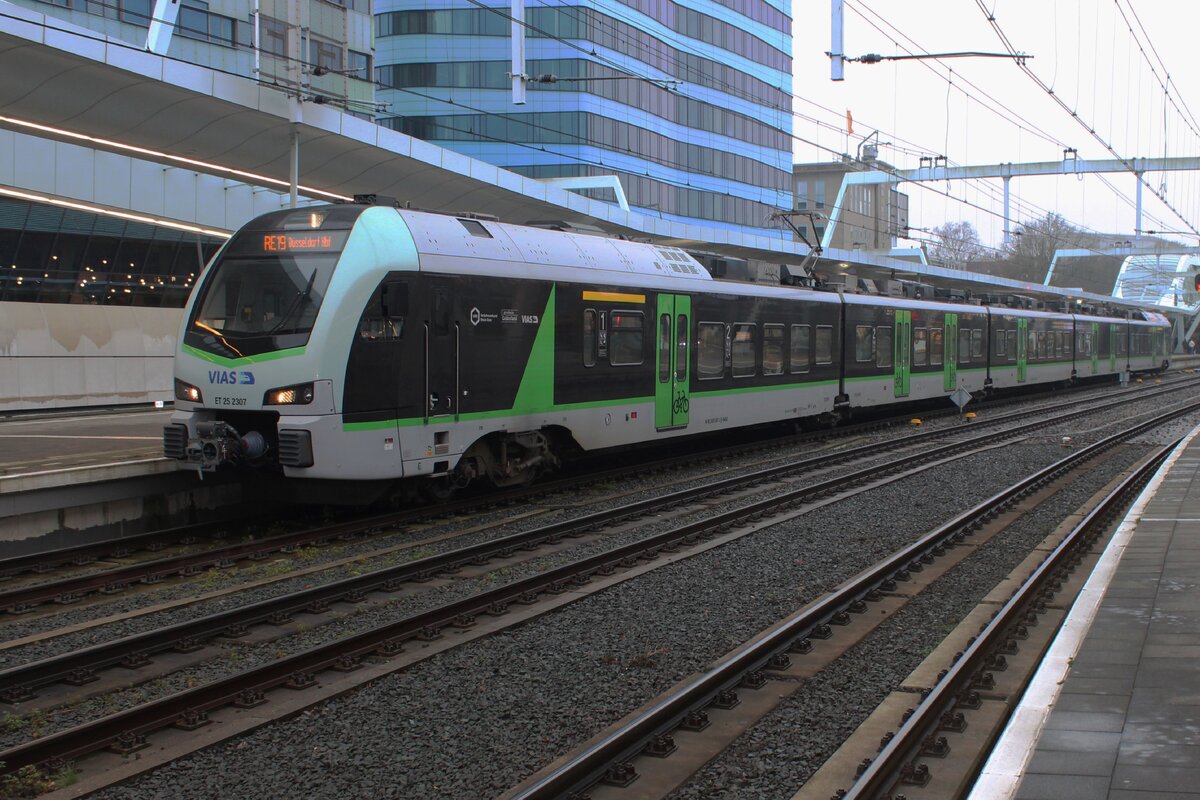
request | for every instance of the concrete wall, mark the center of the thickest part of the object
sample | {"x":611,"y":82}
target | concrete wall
{"x":61,"y":356}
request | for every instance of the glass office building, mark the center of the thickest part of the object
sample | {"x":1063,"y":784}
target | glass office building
{"x":688,"y":103}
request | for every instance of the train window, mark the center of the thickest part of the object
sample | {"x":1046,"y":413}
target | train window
{"x":1012,"y":344}
{"x":1031,"y":346}
{"x":664,"y":348}
{"x":710,"y":350}
{"x":441,"y":313}
{"x":625,"y":339}
{"x":864,"y":343}
{"x":744,"y":361}
{"x":681,"y":347}
{"x":1001,"y":341}
{"x":824,"y":344}
{"x":1064,"y":344}
{"x":935,"y":347}
{"x":964,"y":345}
{"x":883,"y":347}
{"x":977,"y":343}
{"x":920,"y":347}
{"x":798,"y":356}
{"x":589,"y":337}
{"x":772,"y":350}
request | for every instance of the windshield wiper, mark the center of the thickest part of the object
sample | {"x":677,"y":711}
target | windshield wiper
{"x":300,"y":299}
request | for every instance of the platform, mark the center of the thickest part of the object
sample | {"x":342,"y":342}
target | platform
{"x":55,"y":443}
{"x":65,"y":473}
{"x":1114,"y":710}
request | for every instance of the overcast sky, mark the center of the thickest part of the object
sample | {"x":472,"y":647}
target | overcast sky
{"x":1081,"y":48}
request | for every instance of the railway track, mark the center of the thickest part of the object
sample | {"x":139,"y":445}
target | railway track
{"x":918,"y":736}
{"x":257,"y":539}
{"x":126,"y":730}
{"x":71,"y":589}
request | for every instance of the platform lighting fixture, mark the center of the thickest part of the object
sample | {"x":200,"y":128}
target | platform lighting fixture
{"x":110,"y":144}
{"x":107,"y":212}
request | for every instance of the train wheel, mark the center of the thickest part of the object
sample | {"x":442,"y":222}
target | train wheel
{"x":438,"y":490}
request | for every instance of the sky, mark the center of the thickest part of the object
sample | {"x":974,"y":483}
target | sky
{"x":988,"y":111}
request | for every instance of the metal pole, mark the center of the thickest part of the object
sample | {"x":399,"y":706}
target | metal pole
{"x":837,"y":64}
{"x":1007,"y":211}
{"x":518,"y":52}
{"x":1137,"y":228}
{"x":295,"y":165}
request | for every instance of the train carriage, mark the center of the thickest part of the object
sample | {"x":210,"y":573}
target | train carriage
{"x":361,"y":343}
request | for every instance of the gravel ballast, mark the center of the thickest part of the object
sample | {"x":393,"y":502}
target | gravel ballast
{"x":477,"y":719}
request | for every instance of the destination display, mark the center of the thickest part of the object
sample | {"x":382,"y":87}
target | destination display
{"x":289,"y":242}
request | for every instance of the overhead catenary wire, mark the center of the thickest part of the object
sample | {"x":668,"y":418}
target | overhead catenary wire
{"x":987,"y":211}
{"x":1089,"y":128}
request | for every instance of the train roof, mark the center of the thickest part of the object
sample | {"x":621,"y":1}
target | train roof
{"x":465,"y":237}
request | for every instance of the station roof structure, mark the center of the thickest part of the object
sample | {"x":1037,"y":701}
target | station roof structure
{"x":69,"y":79}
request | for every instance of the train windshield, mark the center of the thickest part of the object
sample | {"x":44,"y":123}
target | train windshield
{"x":264,"y":294}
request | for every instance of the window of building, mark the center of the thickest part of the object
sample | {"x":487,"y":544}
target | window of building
{"x":197,"y":22}
{"x":802,"y":195}
{"x":136,"y":12}
{"x":818,"y":194}
{"x":742,"y":351}
{"x":710,"y":350}
{"x":359,"y":65}
{"x":273,"y":37}
{"x":325,"y":55}
{"x":625,"y":339}
{"x":798,"y":354}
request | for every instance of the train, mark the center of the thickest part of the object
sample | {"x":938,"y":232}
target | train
{"x":368,"y":344}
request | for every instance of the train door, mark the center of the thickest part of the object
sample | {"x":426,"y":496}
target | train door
{"x":1095,"y":328}
{"x":1112,"y":346}
{"x":671,"y":361}
{"x":441,"y":353}
{"x":950,"y":360}
{"x":903,"y":360}
{"x":1022,"y":350}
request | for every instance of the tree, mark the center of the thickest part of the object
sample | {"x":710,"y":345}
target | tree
{"x":1032,"y":246}
{"x":956,"y":244}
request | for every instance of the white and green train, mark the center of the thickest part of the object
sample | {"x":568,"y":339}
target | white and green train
{"x":359,"y":343}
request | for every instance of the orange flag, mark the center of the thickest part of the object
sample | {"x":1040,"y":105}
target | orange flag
{"x":849,"y":122}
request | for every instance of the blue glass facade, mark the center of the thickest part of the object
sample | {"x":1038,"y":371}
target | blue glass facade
{"x":713,"y":148}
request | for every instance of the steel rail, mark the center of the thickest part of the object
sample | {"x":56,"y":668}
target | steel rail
{"x":82,"y":554}
{"x":671,"y":710}
{"x":68,"y":590}
{"x":886,"y":769}
{"x":127,"y":729}
{"x":18,"y":683}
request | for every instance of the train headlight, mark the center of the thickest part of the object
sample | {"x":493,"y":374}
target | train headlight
{"x":185,"y":391}
{"x":299,"y":395}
